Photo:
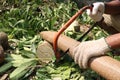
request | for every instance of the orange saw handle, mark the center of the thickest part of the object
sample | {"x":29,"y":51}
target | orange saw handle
{"x":64,"y":27}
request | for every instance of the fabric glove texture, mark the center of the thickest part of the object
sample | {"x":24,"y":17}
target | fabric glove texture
{"x":97,"y":11}
{"x":85,"y":50}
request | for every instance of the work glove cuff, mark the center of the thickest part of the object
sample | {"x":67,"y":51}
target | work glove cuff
{"x":104,"y":45}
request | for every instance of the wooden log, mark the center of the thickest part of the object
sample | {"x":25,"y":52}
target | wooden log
{"x":45,"y":52}
{"x":105,"y":66}
{"x":4,"y":45}
{"x":4,"y":40}
{"x":1,"y":54}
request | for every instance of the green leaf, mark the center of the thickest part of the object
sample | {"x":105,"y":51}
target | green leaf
{"x":66,"y":74}
{"x":29,"y":72}
{"x":28,"y":54}
{"x":21,"y":70}
{"x":20,"y":21}
{"x":42,"y":74}
{"x":5,"y":67}
{"x":18,"y":60}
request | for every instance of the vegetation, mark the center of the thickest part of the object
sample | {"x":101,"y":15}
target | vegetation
{"x":22,"y":20}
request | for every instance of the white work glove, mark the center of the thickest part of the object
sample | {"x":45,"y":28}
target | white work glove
{"x":86,"y":50}
{"x":97,"y":11}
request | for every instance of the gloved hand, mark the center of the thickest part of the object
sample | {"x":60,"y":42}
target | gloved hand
{"x":97,"y":11}
{"x":85,"y":50}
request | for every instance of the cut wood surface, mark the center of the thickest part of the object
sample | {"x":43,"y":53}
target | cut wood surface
{"x":106,"y":66}
{"x":45,"y":52}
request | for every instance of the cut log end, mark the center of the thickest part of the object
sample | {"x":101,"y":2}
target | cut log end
{"x":45,"y":52}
